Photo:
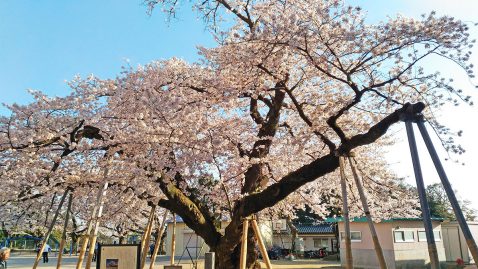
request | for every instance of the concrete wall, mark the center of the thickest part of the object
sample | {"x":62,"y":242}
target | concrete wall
{"x":363,"y":252}
{"x":397,"y":254}
{"x":383,"y":232}
{"x":367,"y":259}
{"x":415,"y":254}
{"x":455,"y":243}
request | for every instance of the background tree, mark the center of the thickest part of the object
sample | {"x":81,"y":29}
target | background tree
{"x":440,"y":207}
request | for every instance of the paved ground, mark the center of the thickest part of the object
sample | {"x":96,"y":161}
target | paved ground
{"x":26,"y":261}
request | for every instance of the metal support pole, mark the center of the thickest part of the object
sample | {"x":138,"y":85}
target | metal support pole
{"x":63,"y":235}
{"x":432,"y":248}
{"x":50,"y":229}
{"x":349,"y":264}
{"x":363,"y":199}
{"x":449,"y":191}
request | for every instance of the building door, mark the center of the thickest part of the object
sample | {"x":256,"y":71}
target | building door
{"x":451,"y":242}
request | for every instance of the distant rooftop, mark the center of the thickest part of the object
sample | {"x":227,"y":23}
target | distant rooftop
{"x":315,"y":229}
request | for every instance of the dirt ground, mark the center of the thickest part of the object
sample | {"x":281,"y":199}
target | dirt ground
{"x":26,"y":261}
{"x":304,"y":264}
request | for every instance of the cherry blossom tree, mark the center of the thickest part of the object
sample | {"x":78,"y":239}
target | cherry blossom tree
{"x":256,"y":125}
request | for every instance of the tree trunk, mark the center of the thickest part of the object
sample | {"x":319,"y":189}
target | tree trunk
{"x":294,"y":232}
{"x":229,"y":249}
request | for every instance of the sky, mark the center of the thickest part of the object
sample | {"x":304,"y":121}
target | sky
{"x":45,"y":43}
{"x":464,"y":178}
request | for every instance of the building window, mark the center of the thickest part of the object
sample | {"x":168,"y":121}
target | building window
{"x":321,"y":243}
{"x":404,"y":236}
{"x":354,"y":236}
{"x":422,"y":237}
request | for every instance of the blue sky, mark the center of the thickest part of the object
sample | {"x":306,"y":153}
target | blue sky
{"x":44,"y":43}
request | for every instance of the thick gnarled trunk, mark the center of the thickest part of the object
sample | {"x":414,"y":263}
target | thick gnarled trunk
{"x":229,"y":249}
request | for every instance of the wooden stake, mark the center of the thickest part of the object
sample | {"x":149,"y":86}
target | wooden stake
{"x":94,"y":234}
{"x":363,"y":199}
{"x":245,"y":229}
{"x":160,"y":233}
{"x":147,"y":237}
{"x":50,"y":229}
{"x":86,"y":239}
{"x":146,"y":229}
{"x":348,"y":245}
{"x":173,"y":240}
{"x":143,"y":236}
{"x":63,"y":235}
{"x":262,"y":247}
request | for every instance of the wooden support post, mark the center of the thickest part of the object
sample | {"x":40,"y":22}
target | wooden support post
{"x":173,"y":240}
{"x":94,"y":234}
{"x":209,"y":260}
{"x":262,"y":247}
{"x":50,"y":229}
{"x":160,"y":232}
{"x":432,"y":248}
{"x":363,"y":199}
{"x":63,"y":235}
{"x":449,"y":191}
{"x":143,"y":236}
{"x":348,"y":244}
{"x":147,"y":238}
{"x":86,"y":239}
{"x":145,"y":233}
{"x":245,"y":230}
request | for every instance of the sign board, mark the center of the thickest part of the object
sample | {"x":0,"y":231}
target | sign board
{"x":119,"y":256}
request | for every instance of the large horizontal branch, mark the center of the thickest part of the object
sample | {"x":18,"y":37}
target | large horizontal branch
{"x":274,"y":193}
{"x":191,"y":214}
